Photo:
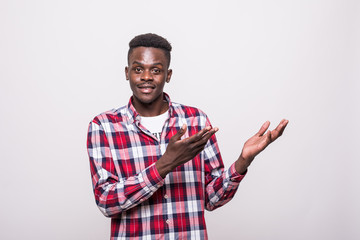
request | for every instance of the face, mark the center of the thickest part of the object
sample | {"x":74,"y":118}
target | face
{"x":147,"y":73}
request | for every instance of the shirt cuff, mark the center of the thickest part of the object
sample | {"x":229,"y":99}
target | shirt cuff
{"x":152,"y":178}
{"x":234,"y":175}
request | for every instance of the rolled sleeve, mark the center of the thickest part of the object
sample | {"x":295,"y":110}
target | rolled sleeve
{"x":234,"y":175}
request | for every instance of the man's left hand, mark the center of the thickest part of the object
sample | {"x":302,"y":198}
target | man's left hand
{"x":258,"y":143}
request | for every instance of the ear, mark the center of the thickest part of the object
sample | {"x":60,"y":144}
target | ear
{"x":168,"y":75}
{"x":127,"y":73}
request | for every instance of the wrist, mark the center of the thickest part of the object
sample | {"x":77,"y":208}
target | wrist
{"x":164,"y":165}
{"x":241,"y":165}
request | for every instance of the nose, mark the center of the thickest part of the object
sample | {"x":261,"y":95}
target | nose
{"x":146,"y":76}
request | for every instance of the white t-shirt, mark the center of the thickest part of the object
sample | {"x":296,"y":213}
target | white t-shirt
{"x":155,"y":124}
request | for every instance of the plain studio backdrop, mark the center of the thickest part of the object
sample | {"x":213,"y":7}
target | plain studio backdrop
{"x":242,"y":62}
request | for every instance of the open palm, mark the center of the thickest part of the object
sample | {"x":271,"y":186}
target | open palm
{"x":261,"y":140}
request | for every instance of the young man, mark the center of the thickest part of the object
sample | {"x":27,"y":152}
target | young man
{"x":155,"y":164}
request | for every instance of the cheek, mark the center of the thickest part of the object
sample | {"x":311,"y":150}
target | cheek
{"x":133,"y":79}
{"x":132,"y":84}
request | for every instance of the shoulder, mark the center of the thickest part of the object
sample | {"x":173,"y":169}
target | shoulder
{"x":111,"y":116}
{"x":188,"y":111}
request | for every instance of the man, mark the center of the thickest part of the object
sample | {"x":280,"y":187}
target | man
{"x":156,"y":164}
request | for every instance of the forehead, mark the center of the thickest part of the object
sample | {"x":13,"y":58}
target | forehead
{"x":148,"y":55}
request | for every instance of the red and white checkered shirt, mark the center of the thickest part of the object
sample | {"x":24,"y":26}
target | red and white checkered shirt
{"x":129,"y":189}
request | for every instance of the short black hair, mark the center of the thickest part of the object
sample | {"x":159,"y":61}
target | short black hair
{"x":150,"y":40}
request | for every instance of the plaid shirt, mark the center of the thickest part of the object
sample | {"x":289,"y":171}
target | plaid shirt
{"x":129,"y":189}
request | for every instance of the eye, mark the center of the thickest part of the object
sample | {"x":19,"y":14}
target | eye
{"x":138,"y":69}
{"x":156,"y":70}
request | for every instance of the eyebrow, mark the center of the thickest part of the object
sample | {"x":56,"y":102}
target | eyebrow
{"x":139,"y":63}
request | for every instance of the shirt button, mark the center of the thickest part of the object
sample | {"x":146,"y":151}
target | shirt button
{"x":166,"y":196}
{"x":141,"y":200}
{"x":168,"y":221}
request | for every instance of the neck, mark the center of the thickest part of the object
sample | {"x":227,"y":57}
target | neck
{"x":152,"y":109}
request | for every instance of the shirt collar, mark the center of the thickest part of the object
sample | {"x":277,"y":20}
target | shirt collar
{"x":133,"y":115}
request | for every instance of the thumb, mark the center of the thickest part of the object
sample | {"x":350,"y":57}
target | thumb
{"x":179,"y":134}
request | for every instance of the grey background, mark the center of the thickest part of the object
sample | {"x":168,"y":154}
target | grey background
{"x":242,"y":62}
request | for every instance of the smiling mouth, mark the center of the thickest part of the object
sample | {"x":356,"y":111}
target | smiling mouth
{"x":146,"y":88}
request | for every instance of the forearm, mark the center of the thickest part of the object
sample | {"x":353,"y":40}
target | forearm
{"x":117,"y":189}
{"x":114,"y":197}
{"x":222,"y":189}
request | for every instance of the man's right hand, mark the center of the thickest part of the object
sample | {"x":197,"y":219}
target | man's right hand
{"x":180,"y":151}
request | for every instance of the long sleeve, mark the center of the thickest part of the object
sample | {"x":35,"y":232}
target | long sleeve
{"x":114,"y":195}
{"x":221,"y":185}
